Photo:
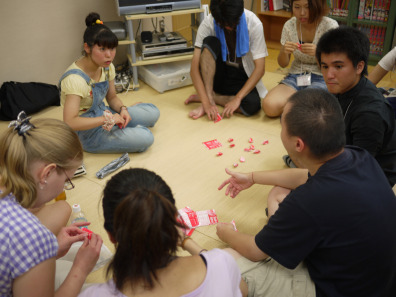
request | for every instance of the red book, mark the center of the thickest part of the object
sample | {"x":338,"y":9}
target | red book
{"x":271,"y":5}
{"x":387,"y":6}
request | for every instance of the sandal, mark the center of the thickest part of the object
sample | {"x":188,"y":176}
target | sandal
{"x":288,"y":161}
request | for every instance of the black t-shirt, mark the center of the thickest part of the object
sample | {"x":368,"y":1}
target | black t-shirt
{"x":370,"y":124}
{"x":342,"y":222}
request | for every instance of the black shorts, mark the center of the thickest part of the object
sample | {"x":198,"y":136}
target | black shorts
{"x":229,"y":80}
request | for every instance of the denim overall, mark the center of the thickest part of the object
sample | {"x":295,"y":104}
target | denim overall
{"x":135,"y":137}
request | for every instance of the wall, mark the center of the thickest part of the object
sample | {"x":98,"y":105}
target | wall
{"x":41,"y":38}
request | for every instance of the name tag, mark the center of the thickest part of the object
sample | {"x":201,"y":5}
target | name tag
{"x":233,"y":64}
{"x":304,"y":80}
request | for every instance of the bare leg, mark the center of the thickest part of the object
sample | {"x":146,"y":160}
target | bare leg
{"x":53,"y":216}
{"x":276,"y":100}
{"x":276,"y":196}
{"x":207,"y":66}
{"x":207,"y":63}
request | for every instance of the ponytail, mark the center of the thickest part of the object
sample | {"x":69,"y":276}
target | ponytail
{"x":50,"y":141}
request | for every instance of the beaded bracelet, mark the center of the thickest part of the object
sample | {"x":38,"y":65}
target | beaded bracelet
{"x":109,"y":121}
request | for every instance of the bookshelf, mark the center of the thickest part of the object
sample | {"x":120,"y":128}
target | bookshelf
{"x":273,"y":22}
{"x":379,"y":32}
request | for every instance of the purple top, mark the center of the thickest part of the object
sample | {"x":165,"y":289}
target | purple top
{"x":24,"y":242}
{"x":222,"y":279}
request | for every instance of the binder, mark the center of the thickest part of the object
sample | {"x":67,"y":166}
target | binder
{"x":277,"y":4}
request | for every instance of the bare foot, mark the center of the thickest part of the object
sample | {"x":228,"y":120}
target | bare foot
{"x":197,"y":113}
{"x":192,"y":98}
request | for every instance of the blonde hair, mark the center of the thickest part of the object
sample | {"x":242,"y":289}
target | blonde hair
{"x":50,"y":141}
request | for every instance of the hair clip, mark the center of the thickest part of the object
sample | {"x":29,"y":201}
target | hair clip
{"x":21,"y":124}
{"x":99,"y":22}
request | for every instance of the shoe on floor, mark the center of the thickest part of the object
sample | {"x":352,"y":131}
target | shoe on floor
{"x":288,"y":161}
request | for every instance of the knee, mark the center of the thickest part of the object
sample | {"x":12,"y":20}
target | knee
{"x":251,"y":104}
{"x":211,"y":48}
{"x":271,"y":108}
{"x":145,"y":114}
{"x":156,"y":114}
{"x":211,"y":42}
{"x":277,"y":194}
{"x":153,"y":115}
{"x":250,"y":108}
{"x":145,"y":142}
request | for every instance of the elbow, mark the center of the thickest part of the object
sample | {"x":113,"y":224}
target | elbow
{"x":282,"y":63}
{"x":257,"y":257}
{"x":70,"y":123}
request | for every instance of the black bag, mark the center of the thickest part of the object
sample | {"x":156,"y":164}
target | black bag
{"x":30,"y":97}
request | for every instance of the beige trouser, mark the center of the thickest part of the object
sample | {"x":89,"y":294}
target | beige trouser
{"x":269,"y":278}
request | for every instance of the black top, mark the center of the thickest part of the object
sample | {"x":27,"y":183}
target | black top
{"x":370,"y":124}
{"x":342,"y":223}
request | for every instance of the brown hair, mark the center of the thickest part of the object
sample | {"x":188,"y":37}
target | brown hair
{"x":140,"y":213}
{"x":317,"y":9}
{"x":50,"y":141}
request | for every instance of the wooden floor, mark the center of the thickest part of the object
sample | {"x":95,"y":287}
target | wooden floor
{"x":192,"y":170}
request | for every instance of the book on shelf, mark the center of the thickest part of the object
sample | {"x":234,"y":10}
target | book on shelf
{"x":264,"y":5}
{"x":361,"y":9}
{"x":376,"y":35}
{"x":386,"y":10}
{"x":287,"y":5}
{"x":368,"y":11}
{"x":374,"y":10}
{"x":277,"y":4}
{"x":338,"y":8}
{"x":271,"y":5}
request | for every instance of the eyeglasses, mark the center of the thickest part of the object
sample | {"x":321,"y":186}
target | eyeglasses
{"x":68,"y":183}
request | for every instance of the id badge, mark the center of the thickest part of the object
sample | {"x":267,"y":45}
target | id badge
{"x":233,"y":64}
{"x":304,"y":80}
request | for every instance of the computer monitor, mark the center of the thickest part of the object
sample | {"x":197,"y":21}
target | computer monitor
{"x":154,"y":6}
